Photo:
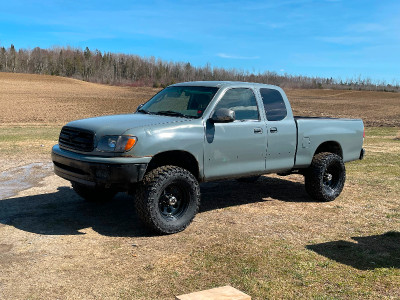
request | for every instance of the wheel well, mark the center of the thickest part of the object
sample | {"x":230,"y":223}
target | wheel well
{"x":176,"y":158}
{"x":331,"y":146}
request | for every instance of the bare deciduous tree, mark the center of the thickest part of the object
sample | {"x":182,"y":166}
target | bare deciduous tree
{"x":123,"y":69}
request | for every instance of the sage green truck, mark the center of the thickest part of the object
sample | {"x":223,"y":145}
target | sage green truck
{"x":194,"y":132}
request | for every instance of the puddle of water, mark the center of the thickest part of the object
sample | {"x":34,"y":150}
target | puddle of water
{"x":21,"y":178}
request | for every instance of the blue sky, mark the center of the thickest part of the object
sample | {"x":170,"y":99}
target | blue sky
{"x":328,"y":38}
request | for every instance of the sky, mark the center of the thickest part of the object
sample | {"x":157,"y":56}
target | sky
{"x":343,"y":39}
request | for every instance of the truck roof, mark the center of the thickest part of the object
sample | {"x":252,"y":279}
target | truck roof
{"x":225,"y":84}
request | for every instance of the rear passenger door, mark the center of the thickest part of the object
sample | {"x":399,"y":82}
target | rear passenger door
{"x":236,"y":148}
{"x":281,"y":132}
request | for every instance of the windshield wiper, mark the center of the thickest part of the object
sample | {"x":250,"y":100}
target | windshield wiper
{"x":144,"y":111}
{"x":173,"y":113}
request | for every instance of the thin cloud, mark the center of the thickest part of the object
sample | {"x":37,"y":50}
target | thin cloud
{"x":273,"y":25}
{"x":367,"y":27}
{"x":224,"y":55}
{"x":273,"y":4}
{"x":344,"y":40}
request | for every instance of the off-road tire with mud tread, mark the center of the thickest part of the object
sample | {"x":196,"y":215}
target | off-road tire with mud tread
{"x":93,"y":194}
{"x":149,"y":195}
{"x":325,"y":165}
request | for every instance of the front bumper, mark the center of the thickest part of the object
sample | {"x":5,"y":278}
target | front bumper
{"x":117,"y":173}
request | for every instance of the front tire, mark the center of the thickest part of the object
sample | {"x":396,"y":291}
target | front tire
{"x":168,"y":199}
{"x":93,"y":194}
{"x":325,"y":178}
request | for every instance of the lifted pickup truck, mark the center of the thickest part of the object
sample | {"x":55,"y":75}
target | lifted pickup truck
{"x":201,"y":131}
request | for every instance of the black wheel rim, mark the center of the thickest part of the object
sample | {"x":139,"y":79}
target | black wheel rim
{"x":174,"y":201}
{"x":332,"y":176}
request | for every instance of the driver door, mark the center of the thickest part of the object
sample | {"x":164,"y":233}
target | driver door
{"x":239,"y":147}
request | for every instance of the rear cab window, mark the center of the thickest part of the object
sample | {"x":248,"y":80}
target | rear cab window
{"x":274,"y":105}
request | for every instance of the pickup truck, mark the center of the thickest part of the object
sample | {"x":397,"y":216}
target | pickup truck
{"x":194,"y":132}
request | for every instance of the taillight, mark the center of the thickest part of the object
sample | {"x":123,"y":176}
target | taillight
{"x":364,"y":133}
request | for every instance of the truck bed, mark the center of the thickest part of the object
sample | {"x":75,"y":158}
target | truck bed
{"x":313,"y":131}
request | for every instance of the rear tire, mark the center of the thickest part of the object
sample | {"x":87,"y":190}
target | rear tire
{"x":168,"y":199}
{"x":93,"y":194}
{"x":325,"y":178}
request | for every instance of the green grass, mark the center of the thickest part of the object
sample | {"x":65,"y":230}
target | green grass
{"x":27,"y":140}
{"x":381,"y":167}
{"x":381,"y":131}
{"x":22,"y":133}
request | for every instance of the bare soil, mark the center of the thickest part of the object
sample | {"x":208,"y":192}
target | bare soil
{"x":268,"y":239}
{"x":40,"y":99}
{"x":375,"y":108}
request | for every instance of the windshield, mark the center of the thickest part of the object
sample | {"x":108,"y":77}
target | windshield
{"x":181,"y":101}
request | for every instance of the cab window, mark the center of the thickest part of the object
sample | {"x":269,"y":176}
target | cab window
{"x":274,"y":106}
{"x":242,"y":101}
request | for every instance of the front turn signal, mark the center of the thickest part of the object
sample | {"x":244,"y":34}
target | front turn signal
{"x":130,"y":143}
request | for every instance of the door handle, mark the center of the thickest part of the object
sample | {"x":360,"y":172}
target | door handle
{"x":273,"y":129}
{"x":258,"y":130}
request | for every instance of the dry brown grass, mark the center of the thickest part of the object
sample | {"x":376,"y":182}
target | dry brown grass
{"x":267,"y":239}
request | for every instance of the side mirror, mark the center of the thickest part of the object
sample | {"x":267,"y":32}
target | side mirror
{"x":139,"y":107}
{"x":223,"y":115}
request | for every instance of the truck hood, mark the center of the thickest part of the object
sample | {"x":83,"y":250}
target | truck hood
{"x":118,"y":124}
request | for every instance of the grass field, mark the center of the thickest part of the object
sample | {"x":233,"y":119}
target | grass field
{"x":267,"y":239}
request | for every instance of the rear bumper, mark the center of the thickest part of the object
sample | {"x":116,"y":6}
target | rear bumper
{"x":362,"y":153}
{"x":111,"y":174}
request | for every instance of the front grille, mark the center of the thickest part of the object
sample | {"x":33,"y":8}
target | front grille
{"x":76,"y":139}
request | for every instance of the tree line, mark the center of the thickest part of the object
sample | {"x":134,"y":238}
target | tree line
{"x":133,"y":70}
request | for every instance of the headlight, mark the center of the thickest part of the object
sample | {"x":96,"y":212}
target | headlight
{"x":116,"y":143}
